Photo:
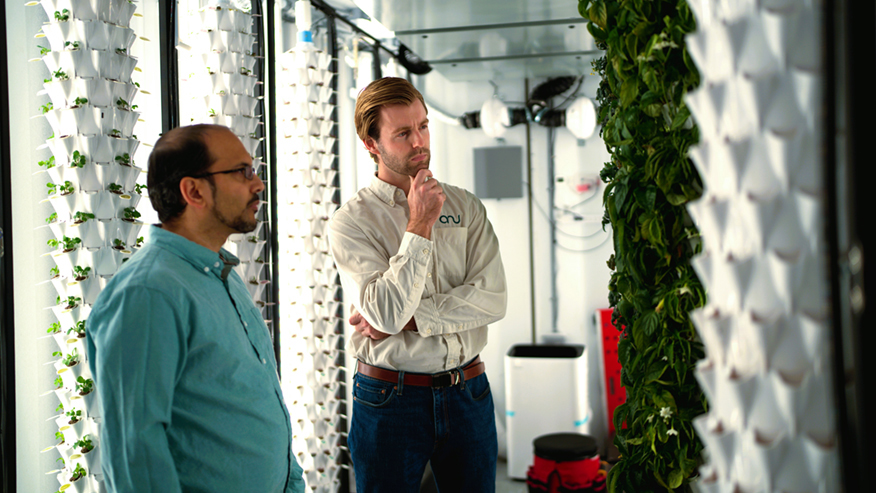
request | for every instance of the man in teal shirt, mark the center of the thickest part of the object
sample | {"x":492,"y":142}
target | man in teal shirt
{"x":183,"y":362}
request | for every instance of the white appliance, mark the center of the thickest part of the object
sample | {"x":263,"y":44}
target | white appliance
{"x":545,"y":392}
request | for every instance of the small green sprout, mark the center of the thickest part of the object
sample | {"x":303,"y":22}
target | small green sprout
{"x":58,"y":434}
{"x":139,"y":188}
{"x":115,"y":133}
{"x":55,"y":328}
{"x":48,"y":163}
{"x":122,"y":51}
{"x":118,"y":244}
{"x":78,"y":160}
{"x":60,"y":74}
{"x":84,"y":444}
{"x":54,"y":272}
{"x":122,"y":104}
{"x":79,"y":329}
{"x":78,"y":473}
{"x":46,"y":108}
{"x":73,"y":45}
{"x":71,"y":359}
{"x":66,"y":188}
{"x":114,"y":188}
{"x":80,"y":101}
{"x":81,"y":217}
{"x":131,"y":213}
{"x":84,"y":386}
{"x":43,"y":50}
{"x":124,"y":159}
{"x":81,"y":272}
{"x":62,"y":16}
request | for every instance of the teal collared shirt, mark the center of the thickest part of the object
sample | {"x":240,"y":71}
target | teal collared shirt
{"x":185,"y":369}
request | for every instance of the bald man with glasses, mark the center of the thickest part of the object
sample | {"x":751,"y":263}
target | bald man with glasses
{"x":183,"y":362}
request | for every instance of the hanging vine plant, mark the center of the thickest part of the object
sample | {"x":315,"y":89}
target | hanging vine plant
{"x":647,"y":128}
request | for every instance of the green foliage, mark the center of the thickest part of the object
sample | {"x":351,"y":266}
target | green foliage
{"x":74,"y":414}
{"x":54,"y":328}
{"x":115,"y":133}
{"x":58,"y":434}
{"x":647,"y":129}
{"x":71,"y":302}
{"x":81,"y":272}
{"x":43,"y":50}
{"x":131,"y":213}
{"x":118,"y":244}
{"x":122,"y":104}
{"x":78,"y":473}
{"x":48,"y":163}
{"x":73,"y":45}
{"x":139,"y":188}
{"x":66,"y":188}
{"x":60,"y":74}
{"x":54,"y":271}
{"x":68,"y":243}
{"x":80,"y":101}
{"x":59,"y":382}
{"x":81,"y":217}
{"x":71,"y":359}
{"x":78,"y":160}
{"x":122,"y":51}
{"x":79,"y":328}
{"x":124,"y":159}
{"x":62,"y":16}
{"x":84,"y":444}
{"x":84,"y":386}
{"x":46,"y":108}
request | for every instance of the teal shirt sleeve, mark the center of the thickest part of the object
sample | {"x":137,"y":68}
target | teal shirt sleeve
{"x":296,"y":476}
{"x":140,"y":338}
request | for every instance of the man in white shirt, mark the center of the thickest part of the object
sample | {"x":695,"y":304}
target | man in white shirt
{"x":420,"y":263}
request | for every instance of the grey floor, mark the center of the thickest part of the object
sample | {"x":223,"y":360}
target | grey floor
{"x":505,"y":484}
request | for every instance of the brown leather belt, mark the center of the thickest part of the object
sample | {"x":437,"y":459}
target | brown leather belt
{"x":435,"y":380}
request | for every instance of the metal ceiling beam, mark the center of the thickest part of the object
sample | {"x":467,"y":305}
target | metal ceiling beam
{"x":515,"y":57}
{"x":482,"y":27}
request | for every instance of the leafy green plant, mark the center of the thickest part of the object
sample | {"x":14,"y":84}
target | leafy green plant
{"x":66,"y":242}
{"x":71,"y":359}
{"x":78,"y":473}
{"x":647,"y":129}
{"x":212,"y":112}
{"x":60,"y":74}
{"x":118,"y":244}
{"x":62,"y":461}
{"x":73,"y":45}
{"x":78,"y":160}
{"x":46,"y":108}
{"x":59,"y":382}
{"x":65,"y":189}
{"x":115,"y":133}
{"x":122,"y":104}
{"x":54,"y":271}
{"x":54,"y":328}
{"x":139,"y":188}
{"x":253,"y":239}
{"x":62,"y":16}
{"x":71,"y":302}
{"x":81,"y":217}
{"x":74,"y":414}
{"x":48,"y":163}
{"x":43,"y":50}
{"x":79,"y":328}
{"x":79,"y":101}
{"x":131,"y":214}
{"x":122,"y":51}
{"x":139,"y":242}
{"x":81,"y":272}
{"x":58,"y":435}
{"x":114,"y":188}
{"x":84,"y":385}
{"x":124,"y":159}
{"x":84,"y":444}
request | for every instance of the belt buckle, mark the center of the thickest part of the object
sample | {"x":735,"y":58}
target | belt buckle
{"x":445,"y":379}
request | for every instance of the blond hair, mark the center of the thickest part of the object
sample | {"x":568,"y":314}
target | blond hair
{"x":381,"y":92}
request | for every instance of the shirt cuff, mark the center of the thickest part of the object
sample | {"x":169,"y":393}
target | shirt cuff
{"x":416,"y":247}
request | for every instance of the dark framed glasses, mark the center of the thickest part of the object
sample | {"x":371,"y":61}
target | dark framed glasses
{"x":247,"y":171}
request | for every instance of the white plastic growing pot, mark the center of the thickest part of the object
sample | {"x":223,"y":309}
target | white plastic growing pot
{"x":84,"y":120}
{"x":59,"y":33}
{"x":121,"y":12}
{"x":128,"y":176}
{"x":242,"y":21}
{"x":123,"y":90}
{"x":128,"y":231}
{"x":90,"y":461}
{"x":120,"y":37}
{"x":88,"y":232}
{"x":122,"y":146}
{"x":216,"y":19}
{"x":79,"y":9}
{"x":86,"y":177}
{"x":251,"y":144}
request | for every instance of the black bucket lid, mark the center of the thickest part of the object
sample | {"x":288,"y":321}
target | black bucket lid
{"x":565,"y":447}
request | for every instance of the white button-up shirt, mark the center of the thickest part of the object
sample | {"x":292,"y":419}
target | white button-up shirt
{"x":453,"y":285}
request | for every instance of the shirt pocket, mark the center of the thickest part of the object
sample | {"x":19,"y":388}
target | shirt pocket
{"x":450,"y":256}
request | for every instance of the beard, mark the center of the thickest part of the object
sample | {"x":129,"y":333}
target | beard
{"x":404,"y":165}
{"x":240,"y":223}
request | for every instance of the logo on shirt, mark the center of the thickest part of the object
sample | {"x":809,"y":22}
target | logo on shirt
{"x":449,"y":219}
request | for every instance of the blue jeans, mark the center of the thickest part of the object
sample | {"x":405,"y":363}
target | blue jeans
{"x":396,"y":429}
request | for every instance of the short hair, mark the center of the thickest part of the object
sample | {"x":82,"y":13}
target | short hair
{"x":178,"y":153}
{"x":381,"y":92}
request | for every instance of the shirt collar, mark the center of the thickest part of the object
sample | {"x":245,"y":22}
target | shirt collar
{"x":390,"y":194}
{"x":202,"y":258}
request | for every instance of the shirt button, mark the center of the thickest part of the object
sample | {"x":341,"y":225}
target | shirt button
{"x":425,"y":251}
{"x":245,"y":324}
{"x":206,"y":269}
{"x":416,"y":284}
{"x":428,"y":274}
{"x":392,"y":203}
{"x":216,"y":264}
{"x":264,"y":361}
{"x":428,"y":331}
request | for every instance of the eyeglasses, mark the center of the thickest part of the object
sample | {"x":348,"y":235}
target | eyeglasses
{"x":247,"y":171}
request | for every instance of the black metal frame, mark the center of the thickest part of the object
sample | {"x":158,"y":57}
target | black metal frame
{"x":849,"y":54}
{"x":169,"y":65}
{"x":7,"y":318}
